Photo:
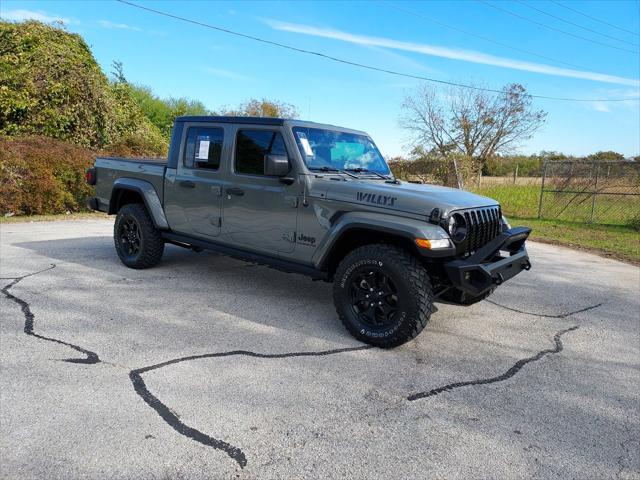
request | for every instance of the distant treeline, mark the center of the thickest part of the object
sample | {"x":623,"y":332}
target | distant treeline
{"x":506,"y":165}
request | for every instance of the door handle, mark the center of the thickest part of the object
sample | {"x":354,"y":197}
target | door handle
{"x":187,"y":184}
{"x":235,"y":191}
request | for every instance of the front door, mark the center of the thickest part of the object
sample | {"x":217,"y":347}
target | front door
{"x":196,"y":190}
{"x":259,"y":210}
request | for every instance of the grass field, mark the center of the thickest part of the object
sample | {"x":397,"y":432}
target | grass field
{"x":614,"y":241}
{"x":523,"y":200}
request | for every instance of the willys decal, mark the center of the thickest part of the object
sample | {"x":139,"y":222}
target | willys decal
{"x":375,"y":199}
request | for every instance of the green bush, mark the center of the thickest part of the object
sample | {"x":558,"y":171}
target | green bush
{"x":51,"y":85}
{"x":634,"y":223}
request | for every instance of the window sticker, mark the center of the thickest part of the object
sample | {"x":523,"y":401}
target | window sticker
{"x":203,"y":150}
{"x":305,"y":144}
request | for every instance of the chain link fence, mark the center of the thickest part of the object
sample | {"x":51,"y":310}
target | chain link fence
{"x":592,"y":192}
{"x":576,"y":190}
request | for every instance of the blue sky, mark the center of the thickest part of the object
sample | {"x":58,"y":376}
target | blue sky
{"x":438,"y":39}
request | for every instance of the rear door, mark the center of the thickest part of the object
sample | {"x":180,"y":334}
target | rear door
{"x":195,"y":193}
{"x":259,"y":210}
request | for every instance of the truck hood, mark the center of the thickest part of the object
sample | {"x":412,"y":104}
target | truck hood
{"x":405,"y":197}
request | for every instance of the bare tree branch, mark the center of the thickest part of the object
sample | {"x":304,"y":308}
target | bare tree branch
{"x":477,"y":124}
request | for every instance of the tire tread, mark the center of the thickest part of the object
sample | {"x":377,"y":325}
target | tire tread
{"x":152,"y":242}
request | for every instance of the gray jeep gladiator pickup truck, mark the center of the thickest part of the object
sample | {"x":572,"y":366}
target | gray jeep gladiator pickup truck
{"x":318,"y":200}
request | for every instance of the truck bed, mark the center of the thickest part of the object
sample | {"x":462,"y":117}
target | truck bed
{"x":109,"y":169}
{"x":152,"y":161}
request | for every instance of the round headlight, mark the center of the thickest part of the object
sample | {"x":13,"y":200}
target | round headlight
{"x":457,"y":227}
{"x":452,"y":225}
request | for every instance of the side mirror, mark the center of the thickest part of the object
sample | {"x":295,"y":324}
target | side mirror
{"x":276,"y":165}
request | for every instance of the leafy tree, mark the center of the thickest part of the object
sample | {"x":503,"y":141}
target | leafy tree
{"x":263,"y":108}
{"x":609,"y":155}
{"x":162,"y":112}
{"x":552,"y":155}
{"x":473,"y":123}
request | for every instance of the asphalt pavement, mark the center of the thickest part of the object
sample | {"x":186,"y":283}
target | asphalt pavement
{"x":206,"y":367}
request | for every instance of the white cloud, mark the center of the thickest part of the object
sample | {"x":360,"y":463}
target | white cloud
{"x":20,"y":15}
{"x":119,"y":26}
{"x":402,"y":60}
{"x":600,"y":106}
{"x":217,"y":72}
{"x":451,"y":53}
{"x":606,"y":107}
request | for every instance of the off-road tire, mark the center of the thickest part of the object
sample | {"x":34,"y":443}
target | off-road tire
{"x":151,"y":244}
{"x":461,"y":298}
{"x":415,"y":294}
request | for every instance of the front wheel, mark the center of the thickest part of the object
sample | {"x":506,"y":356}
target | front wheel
{"x":137,"y":241}
{"x":383,"y":295}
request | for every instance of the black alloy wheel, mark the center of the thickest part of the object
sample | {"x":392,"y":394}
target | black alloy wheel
{"x":129,"y":234}
{"x":374,"y":297}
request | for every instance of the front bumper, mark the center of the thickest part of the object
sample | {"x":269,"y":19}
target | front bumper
{"x":479,"y":272}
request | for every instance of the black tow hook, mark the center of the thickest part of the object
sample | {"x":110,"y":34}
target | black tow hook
{"x":498,"y":279}
{"x":526,"y":266}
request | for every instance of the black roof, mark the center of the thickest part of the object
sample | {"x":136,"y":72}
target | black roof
{"x":263,"y":121}
{"x":251,"y":120}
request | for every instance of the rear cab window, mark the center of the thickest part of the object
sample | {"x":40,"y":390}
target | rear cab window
{"x":203,"y":149}
{"x":251,"y":148}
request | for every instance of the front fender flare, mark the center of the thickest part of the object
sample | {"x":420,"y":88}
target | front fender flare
{"x":389,"y":224}
{"x":148,"y":194}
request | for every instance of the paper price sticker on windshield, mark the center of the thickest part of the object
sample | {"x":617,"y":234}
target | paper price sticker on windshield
{"x":203,"y":150}
{"x":305,"y":144}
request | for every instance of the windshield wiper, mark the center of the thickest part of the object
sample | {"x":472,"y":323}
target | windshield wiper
{"x":366,"y":170}
{"x":332,"y":169}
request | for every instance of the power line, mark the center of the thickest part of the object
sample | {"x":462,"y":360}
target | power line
{"x":549,"y":27}
{"x":595,"y":19}
{"x":360,"y":65}
{"x":528,"y":5}
{"x":481,"y":37}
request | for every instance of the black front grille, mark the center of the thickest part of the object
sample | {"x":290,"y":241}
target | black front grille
{"x":483,"y":225}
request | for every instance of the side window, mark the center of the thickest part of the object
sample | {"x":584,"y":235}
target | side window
{"x":252,"y":146}
{"x":204,"y":147}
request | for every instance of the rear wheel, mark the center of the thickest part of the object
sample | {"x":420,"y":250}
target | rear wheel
{"x":382,"y":295}
{"x":137,"y":241}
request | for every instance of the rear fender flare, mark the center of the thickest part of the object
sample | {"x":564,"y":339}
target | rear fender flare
{"x":148,"y":194}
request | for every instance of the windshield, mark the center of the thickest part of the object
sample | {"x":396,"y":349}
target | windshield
{"x":334,"y":150}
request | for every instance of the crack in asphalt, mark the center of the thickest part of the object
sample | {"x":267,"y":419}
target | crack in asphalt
{"x":500,"y":378}
{"x":544,"y":315}
{"x":29,"y":319}
{"x":172,"y":419}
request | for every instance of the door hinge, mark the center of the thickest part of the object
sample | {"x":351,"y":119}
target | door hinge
{"x":216,"y":191}
{"x":216,"y":221}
